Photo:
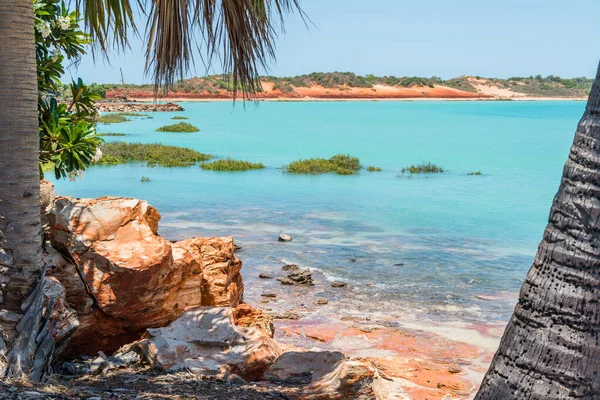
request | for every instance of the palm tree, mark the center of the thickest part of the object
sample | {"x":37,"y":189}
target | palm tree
{"x":240,"y":32}
{"x":551,"y":346}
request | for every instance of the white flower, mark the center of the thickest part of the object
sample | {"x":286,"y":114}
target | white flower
{"x":44,"y":29}
{"x":74,"y":175}
{"x":56,"y":54}
{"x":97,"y":156}
{"x":63,"y":22}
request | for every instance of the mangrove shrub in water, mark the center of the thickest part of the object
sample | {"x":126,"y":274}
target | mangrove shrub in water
{"x":179,"y":117}
{"x":179,"y":127}
{"x":112,"y":119}
{"x":153,"y":154}
{"x":341,"y":164}
{"x":231,"y":165}
{"x":373,"y":169}
{"x":428,"y":168}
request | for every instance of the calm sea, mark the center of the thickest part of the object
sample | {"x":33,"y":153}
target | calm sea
{"x":445,"y":246}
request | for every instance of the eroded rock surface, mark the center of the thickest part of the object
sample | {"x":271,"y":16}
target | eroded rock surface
{"x":205,"y":340}
{"x":122,"y":277}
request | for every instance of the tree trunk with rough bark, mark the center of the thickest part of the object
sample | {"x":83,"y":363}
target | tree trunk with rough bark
{"x":34,"y":318}
{"x":551,"y":346}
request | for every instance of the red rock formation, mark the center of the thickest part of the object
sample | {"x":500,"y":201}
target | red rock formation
{"x":126,"y":277}
{"x":246,"y":316}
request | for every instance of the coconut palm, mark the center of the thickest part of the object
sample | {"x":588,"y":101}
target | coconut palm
{"x":240,"y":33}
{"x":551,"y":346}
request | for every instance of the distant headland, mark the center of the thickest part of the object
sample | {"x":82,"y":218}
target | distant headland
{"x":349,"y":86}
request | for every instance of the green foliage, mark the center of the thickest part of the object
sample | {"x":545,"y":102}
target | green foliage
{"x":425,"y":168}
{"x":152,"y":154}
{"x":112,"y":134}
{"x":112,"y":119}
{"x":178,"y":127}
{"x":340,"y":164}
{"x":179,"y":117}
{"x":474,"y":173}
{"x":145,"y":179}
{"x":373,"y":169}
{"x":231,"y":165}
{"x":67,"y":130}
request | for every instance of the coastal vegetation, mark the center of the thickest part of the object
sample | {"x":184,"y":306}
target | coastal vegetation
{"x":145,"y":179}
{"x":341,"y":164}
{"x":371,"y":168}
{"x":112,"y":134}
{"x":112,"y":119}
{"x":179,"y":117}
{"x":231,"y":165}
{"x":474,"y":173}
{"x":424,"y":168}
{"x":537,"y":86}
{"x":178,"y":127}
{"x":153,"y":154}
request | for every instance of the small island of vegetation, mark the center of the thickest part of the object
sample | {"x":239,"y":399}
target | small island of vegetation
{"x":373,"y":169}
{"x":112,"y":119}
{"x":179,"y":117}
{"x":425,"y":168}
{"x":112,"y":134}
{"x":153,"y":154}
{"x":178,"y":127}
{"x":341,"y":164}
{"x":231,"y":165}
{"x":474,"y":173}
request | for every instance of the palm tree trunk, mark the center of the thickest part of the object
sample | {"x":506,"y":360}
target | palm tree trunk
{"x":551,"y":346}
{"x":20,"y":232}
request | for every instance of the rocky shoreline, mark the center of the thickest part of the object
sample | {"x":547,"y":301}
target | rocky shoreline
{"x":147,"y":309}
{"x":126,"y":105}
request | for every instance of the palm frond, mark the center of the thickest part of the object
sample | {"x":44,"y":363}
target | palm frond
{"x":241,"y":33}
{"x":107,"y":21}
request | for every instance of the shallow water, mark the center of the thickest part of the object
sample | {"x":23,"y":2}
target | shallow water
{"x":441,"y":247}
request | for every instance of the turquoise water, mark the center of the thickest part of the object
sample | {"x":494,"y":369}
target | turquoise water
{"x":420,"y":243}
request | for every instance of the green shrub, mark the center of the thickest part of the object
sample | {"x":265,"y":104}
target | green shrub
{"x":340,"y":164}
{"x":428,"y":168}
{"x":112,"y":134}
{"x":373,"y":169}
{"x":231,"y":165}
{"x":112,"y":119}
{"x":152,"y":154}
{"x":178,"y":127}
{"x":145,"y":179}
{"x":179,"y":117}
{"x":474,"y":173}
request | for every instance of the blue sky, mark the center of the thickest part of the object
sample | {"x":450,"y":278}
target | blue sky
{"x":447,"y":38}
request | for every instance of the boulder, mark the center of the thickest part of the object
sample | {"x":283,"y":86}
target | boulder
{"x":205,"y":341}
{"x":123,"y":277}
{"x":297,"y":276}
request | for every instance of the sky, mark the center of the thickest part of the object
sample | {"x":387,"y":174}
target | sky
{"x":446,"y":38}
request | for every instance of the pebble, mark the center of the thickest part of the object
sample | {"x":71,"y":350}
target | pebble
{"x":339,"y":284}
{"x":322,"y":301}
{"x":290,"y":267}
{"x":285,"y":238}
{"x":268,"y":295}
{"x":265,"y":276}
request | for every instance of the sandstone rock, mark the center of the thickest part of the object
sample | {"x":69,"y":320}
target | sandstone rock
{"x":285,"y":238}
{"x":285,"y":281}
{"x":290,"y":267}
{"x":246,"y":316}
{"x":271,"y":295}
{"x":205,"y":341}
{"x":130,"y":278}
{"x":325,"y":374}
{"x":338,"y":284}
{"x":265,"y":276}
{"x":322,"y":301}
